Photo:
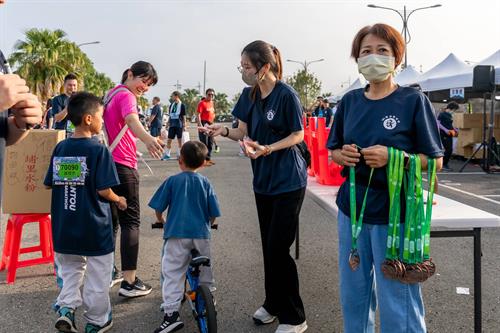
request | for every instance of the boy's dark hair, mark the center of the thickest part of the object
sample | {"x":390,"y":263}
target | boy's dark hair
{"x":70,"y":76}
{"x":176,"y":93}
{"x":193,"y":154}
{"x":452,"y":106}
{"x":209,"y":90}
{"x":82,"y":104}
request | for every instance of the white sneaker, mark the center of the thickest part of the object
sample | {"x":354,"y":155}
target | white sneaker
{"x":284,"y":328}
{"x":262,"y":317}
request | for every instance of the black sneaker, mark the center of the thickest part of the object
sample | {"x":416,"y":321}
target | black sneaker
{"x":136,"y":289}
{"x":66,"y":320}
{"x":170,"y":323}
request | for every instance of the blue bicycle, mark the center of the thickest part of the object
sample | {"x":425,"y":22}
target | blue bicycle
{"x":199,"y":297}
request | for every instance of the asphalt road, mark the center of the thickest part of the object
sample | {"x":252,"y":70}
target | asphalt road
{"x":237,"y":262}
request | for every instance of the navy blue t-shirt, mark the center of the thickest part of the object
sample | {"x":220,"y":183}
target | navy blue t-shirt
{"x":81,"y":219}
{"x":157,"y":113}
{"x":270,"y":120}
{"x":58,"y":104}
{"x":404,"y":120}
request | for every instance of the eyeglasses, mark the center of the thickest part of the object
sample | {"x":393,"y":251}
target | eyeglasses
{"x":210,"y":94}
{"x":241,"y":69}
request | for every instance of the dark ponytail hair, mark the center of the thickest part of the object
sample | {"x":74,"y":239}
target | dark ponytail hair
{"x":141,"y":69}
{"x":260,"y":53}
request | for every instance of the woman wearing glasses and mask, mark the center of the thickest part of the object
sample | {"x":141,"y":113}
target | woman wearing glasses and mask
{"x":367,"y":122}
{"x":270,"y":125}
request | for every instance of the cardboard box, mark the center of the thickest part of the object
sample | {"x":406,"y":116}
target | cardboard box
{"x":25,"y":167}
{"x":469,"y":136}
{"x":466,"y":152}
{"x":473,"y":120}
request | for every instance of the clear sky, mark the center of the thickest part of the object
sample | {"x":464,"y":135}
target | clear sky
{"x":177,"y":36}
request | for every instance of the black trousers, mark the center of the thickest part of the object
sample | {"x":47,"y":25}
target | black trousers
{"x":278,"y":219}
{"x":129,"y":219}
{"x":448,"y":148}
{"x":207,"y":140}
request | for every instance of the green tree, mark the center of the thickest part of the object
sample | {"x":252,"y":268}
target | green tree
{"x":235,"y":99}
{"x":97,"y":83}
{"x":45,"y":57}
{"x":190,"y":98}
{"x":143,"y":102}
{"x":306,"y":85}
{"x":222,"y":105}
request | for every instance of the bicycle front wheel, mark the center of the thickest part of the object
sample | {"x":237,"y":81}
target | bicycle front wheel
{"x":207,"y":316}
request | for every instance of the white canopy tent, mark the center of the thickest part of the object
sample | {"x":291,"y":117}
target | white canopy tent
{"x":407,"y":76}
{"x":463,"y":76}
{"x":359,"y":83}
{"x":449,"y":73}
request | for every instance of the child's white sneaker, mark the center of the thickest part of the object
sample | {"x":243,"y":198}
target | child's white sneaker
{"x":285,"y":328}
{"x":262,"y":317}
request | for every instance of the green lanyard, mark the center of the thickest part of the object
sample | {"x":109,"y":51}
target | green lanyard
{"x":416,"y":242}
{"x":395,"y":171}
{"x":356,"y":223}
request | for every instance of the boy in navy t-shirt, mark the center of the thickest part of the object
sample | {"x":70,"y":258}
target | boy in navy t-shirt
{"x":192,"y":209}
{"x":81,"y":174}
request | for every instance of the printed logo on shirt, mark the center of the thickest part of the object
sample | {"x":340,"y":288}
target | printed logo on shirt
{"x":390,"y":122}
{"x":270,"y":114}
{"x":70,"y":198}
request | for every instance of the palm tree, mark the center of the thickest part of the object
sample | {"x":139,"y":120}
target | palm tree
{"x":222,"y":105}
{"x":190,"y":99}
{"x":97,"y":83}
{"x":45,"y":57}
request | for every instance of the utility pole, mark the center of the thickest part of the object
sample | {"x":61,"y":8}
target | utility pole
{"x":305,"y":64}
{"x":204,"y":76}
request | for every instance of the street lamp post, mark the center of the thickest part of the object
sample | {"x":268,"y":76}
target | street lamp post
{"x":89,"y":43}
{"x":405,"y":17}
{"x":305,"y":64}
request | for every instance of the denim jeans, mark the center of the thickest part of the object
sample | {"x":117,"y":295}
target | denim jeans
{"x":400,"y":305}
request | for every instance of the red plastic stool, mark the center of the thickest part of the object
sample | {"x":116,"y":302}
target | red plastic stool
{"x":12,"y":244}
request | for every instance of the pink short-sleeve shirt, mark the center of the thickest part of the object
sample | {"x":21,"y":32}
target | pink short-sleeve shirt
{"x":121,"y":105}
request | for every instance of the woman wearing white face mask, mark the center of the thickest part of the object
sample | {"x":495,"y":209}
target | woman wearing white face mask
{"x":367,"y":122}
{"x":270,"y":114}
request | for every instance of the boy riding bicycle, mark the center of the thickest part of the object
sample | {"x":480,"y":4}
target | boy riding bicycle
{"x":192,"y":209}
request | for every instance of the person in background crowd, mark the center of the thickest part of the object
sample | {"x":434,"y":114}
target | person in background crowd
{"x":447,"y":132}
{"x":206,"y":116}
{"x":156,"y":118}
{"x":176,"y":124}
{"x":122,"y":111}
{"x":57,"y":117}
{"x":270,"y":114}
{"x":376,"y":117}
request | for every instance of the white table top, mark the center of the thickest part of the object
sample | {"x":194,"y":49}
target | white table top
{"x":446,"y":213}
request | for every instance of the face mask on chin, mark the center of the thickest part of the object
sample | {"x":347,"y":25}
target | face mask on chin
{"x":376,"y":67}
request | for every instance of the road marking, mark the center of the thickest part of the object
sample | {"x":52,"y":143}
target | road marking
{"x":468,"y":193}
{"x":462,"y":173}
{"x":491,"y":195}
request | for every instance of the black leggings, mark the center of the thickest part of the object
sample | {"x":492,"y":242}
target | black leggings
{"x":278,"y":219}
{"x":448,"y":148}
{"x":129,"y":219}
{"x":207,"y":140}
